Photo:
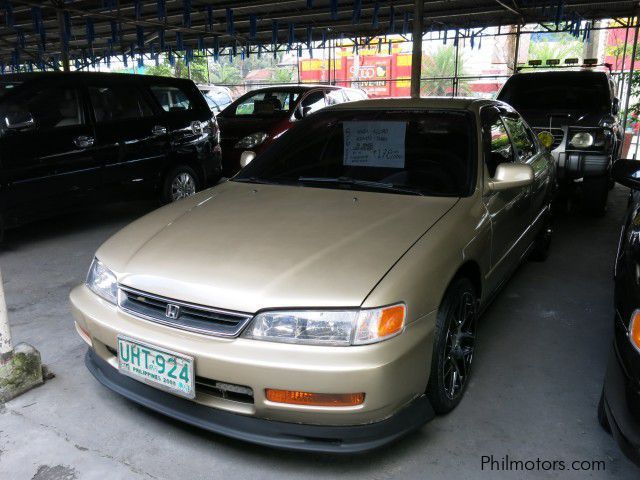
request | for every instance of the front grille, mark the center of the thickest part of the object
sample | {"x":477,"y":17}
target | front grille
{"x":558,"y":135}
{"x":185,"y":316}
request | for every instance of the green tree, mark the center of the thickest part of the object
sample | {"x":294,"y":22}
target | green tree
{"x":179,"y":69}
{"x":283,"y":74}
{"x":225,"y":74}
{"x":441,"y":68}
{"x":557,"y":45}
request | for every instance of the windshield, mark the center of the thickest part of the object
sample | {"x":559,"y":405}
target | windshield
{"x":420,"y":153}
{"x":566,"y":91}
{"x":264,"y":103}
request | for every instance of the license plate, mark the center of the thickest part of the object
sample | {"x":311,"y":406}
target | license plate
{"x":155,"y":366}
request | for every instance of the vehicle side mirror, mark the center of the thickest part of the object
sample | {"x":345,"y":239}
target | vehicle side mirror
{"x":627,"y":172}
{"x":511,"y":175}
{"x":19,"y":120}
{"x":546,"y":139}
{"x":306,"y":111}
{"x":615,"y":106}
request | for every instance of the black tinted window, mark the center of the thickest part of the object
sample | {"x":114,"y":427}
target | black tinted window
{"x":118,"y":103}
{"x":425,"y":152}
{"x":48,"y":107}
{"x":172,"y":99}
{"x":566,"y":91}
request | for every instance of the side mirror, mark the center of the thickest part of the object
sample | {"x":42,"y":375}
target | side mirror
{"x":19,"y":120}
{"x":615,"y":106}
{"x":627,"y":173}
{"x":511,"y":175}
{"x":546,"y":139}
{"x":306,"y":111}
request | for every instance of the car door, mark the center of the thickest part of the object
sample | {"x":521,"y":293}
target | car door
{"x":509,"y":210}
{"x":131,"y":138}
{"x":50,"y":162}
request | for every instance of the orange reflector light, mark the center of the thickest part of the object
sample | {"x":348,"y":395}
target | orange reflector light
{"x":314,"y":399}
{"x":634,"y":329}
{"x":391,"y":320}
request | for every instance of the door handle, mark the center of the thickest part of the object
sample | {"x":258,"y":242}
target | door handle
{"x":83,"y":141}
{"x":159,"y":130}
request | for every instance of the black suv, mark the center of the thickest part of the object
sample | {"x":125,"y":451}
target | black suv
{"x":68,"y":138}
{"x":580,"y":108}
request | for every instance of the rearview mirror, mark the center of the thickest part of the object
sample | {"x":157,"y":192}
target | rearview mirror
{"x":546,"y":139}
{"x":511,"y":175}
{"x":627,"y":173}
{"x":19,"y":120}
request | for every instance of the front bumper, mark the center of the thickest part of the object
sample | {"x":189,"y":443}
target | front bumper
{"x":575,"y":164}
{"x":618,"y":392}
{"x":392,"y":374}
{"x":289,"y":436}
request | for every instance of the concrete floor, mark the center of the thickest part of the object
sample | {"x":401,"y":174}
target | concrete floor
{"x":537,"y":378}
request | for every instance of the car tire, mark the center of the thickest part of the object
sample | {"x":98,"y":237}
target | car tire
{"x":542,"y":242}
{"x":454,"y":346}
{"x":179,"y":182}
{"x":602,"y":415}
{"x":595,"y":192}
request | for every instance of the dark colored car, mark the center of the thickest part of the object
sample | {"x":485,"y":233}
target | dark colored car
{"x":69,"y":138}
{"x":251,"y":123}
{"x":579,"y":107}
{"x":619,"y":407}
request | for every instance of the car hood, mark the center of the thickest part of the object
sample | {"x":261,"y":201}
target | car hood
{"x":557,"y":119}
{"x":247,"y":247}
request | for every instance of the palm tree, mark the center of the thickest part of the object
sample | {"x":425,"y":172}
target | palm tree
{"x":225,"y":74}
{"x":440,"y":68}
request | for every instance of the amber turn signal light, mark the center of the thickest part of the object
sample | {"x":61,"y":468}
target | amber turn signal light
{"x":634,"y":329}
{"x":391,"y":320}
{"x":314,"y":399}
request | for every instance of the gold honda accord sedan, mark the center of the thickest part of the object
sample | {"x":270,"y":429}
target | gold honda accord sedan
{"x":326,"y":298}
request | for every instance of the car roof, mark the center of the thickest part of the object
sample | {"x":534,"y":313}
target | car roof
{"x":445,"y":103}
{"x":562,"y":71}
{"x":89,"y":76}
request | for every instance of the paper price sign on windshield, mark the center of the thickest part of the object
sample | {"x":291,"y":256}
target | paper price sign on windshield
{"x":374,"y":144}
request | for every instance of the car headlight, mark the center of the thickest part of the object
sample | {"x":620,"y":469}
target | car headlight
{"x":328,"y":327}
{"x":582,"y":140}
{"x":102,"y":281}
{"x":252,"y":140}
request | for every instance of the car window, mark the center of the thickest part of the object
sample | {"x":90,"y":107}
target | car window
{"x":172,"y":99}
{"x":313,"y":102}
{"x":521,"y":136}
{"x":264,"y":103}
{"x":118,"y":103}
{"x":334,"y":97}
{"x":497,"y":144}
{"x":427,"y":152}
{"x":51,"y":107}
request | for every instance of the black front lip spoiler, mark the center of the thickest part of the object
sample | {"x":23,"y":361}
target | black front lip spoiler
{"x":283,"y":435}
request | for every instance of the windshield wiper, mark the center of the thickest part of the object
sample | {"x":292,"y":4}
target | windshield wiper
{"x":348,"y":181}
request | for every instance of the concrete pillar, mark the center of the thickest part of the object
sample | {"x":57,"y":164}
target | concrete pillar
{"x":6,"y":345}
{"x":20,"y":367}
{"x":416,"y":57}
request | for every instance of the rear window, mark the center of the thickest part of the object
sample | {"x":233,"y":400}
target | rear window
{"x":172,"y":99}
{"x":118,"y":103}
{"x":566,"y":91}
{"x":428,"y":152}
